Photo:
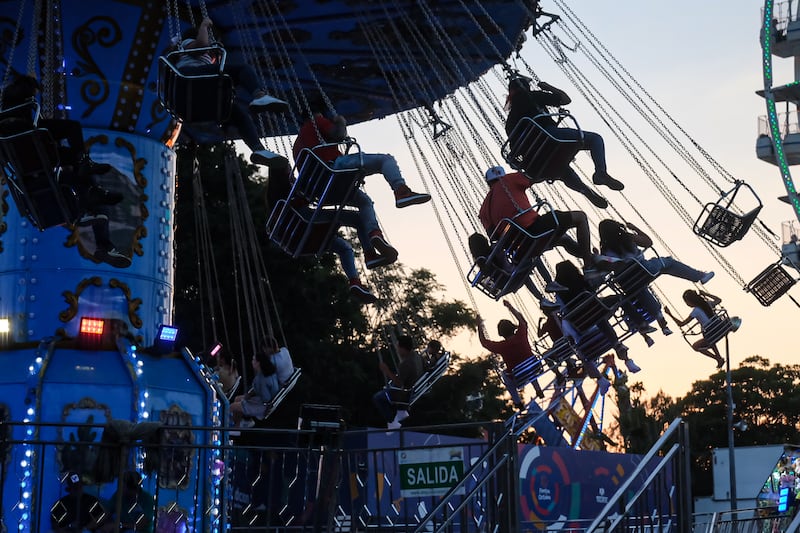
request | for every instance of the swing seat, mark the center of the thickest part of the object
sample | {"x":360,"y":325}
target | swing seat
{"x":403,"y":398}
{"x":308,"y":231}
{"x":594,"y":344}
{"x":533,"y":151}
{"x":632,"y":277}
{"x":300,"y":232}
{"x":513,"y":254}
{"x":715,"y":330}
{"x":719,"y":225}
{"x":200,"y":98}
{"x":772,"y":283}
{"x":318,"y":183}
{"x":585,"y":311}
{"x":533,"y":367}
{"x":32,"y":171}
{"x":282,"y":393}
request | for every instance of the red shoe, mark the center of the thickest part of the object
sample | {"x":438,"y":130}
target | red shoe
{"x":384,"y":254}
{"x":361,"y":293}
{"x":403,"y":197}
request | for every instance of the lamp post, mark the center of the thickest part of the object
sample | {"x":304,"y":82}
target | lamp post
{"x":731,"y":451}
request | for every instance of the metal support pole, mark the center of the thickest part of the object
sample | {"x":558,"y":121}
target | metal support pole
{"x":731,"y":451}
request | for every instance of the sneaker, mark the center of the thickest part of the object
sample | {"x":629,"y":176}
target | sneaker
{"x":264,"y":102}
{"x":246,"y":423}
{"x":649,"y":340}
{"x":113,"y":258}
{"x":375,"y":260}
{"x":401,"y":415}
{"x":548,"y":305}
{"x":555,"y":286}
{"x":602,"y":178}
{"x":383,"y":248}
{"x":403,"y":197}
{"x":632,"y":367}
{"x":720,"y":362}
{"x":267,"y":158}
{"x":89,"y":219}
{"x":666,"y":331}
{"x":100,"y":196}
{"x":394,"y":425}
{"x":603,"y":385}
{"x":361,"y":293}
{"x":598,"y":201}
{"x":647,"y":328}
{"x":706,"y":277}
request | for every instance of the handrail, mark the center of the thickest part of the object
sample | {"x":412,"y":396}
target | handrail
{"x":599,"y":523}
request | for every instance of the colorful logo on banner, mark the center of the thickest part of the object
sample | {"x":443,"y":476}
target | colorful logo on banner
{"x":564,"y":488}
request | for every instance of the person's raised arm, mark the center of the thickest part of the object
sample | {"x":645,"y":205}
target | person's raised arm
{"x":515,"y":313}
{"x":388,"y":372}
{"x":565,"y":99}
{"x":203,"y":38}
{"x":641,"y":238}
{"x":712,"y":299}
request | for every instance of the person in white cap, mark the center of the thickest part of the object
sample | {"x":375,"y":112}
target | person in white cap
{"x":507,"y":198}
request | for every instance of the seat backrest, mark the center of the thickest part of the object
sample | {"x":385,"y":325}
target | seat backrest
{"x":534,"y":151}
{"x":297,"y":232}
{"x":403,"y":398}
{"x":282,"y":392}
{"x":30,"y":152}
{"x":632,"y":277}
{"x":206,"y":98}
{"x":318,"y":183}
{"x":585,"y":311}
{"x":770,"y":284}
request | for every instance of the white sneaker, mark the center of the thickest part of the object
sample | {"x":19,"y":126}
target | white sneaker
{"x":268,"y":103}
{"x":113,"y":257}
{"x":706,"y":278}
{"x":632,"y":367}
{"x":394,"y":425}
{"x":266,"y":157}
{"x":246,"y":423}
{"x":89,"y":219}
{"x":401,"y":415}
{"x":603,"y":385}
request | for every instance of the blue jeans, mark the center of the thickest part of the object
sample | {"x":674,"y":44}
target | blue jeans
{"x":384,"y":406}
{"x":591,"y":141}
{"x":347,"y":258}
{"x":672,"y":267}
{"x":373,"y":164}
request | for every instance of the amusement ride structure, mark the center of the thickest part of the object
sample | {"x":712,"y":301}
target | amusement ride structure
{"x":86,"y":324}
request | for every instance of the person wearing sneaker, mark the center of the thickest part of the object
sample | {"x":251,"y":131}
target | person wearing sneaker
{"x":702,"y":304}
{"x":317,"y":129}
{"x":105,"y":251}
{"x":524,"y":102}
{"x":480,"y":249}
{"x":507,"y":198}
{"x":264,"y":387}
{"x":68,"y":134}
{"x":377,"y":252}
{"x":409,"y":370}
{"x":568,"y":275}
{"x":620,"y":241}
{"x":244,"y":77}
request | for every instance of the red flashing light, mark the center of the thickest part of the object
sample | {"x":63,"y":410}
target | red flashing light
{"x":92,"y":326}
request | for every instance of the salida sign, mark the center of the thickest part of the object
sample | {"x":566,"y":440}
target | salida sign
{"x":430,"y":472}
